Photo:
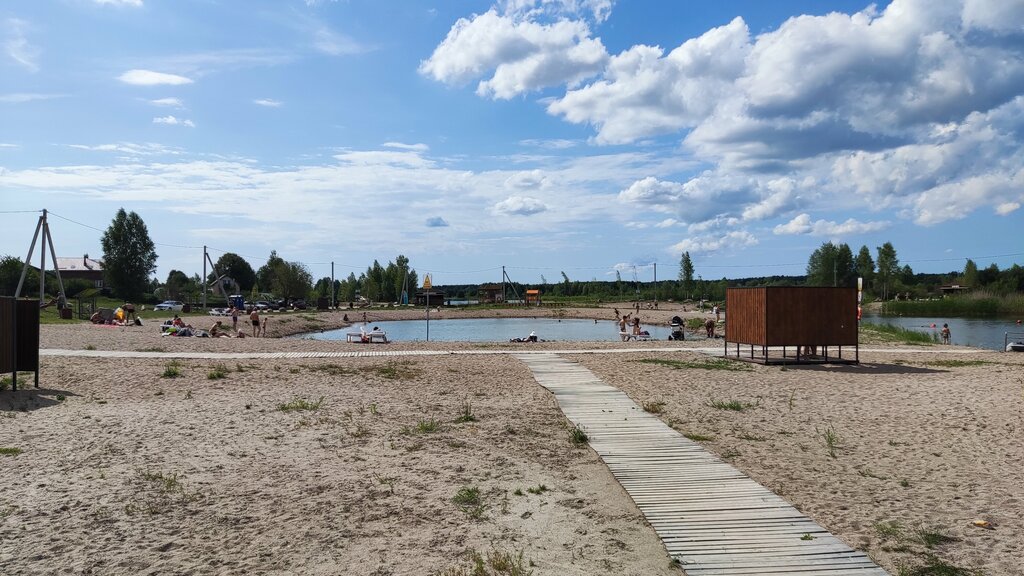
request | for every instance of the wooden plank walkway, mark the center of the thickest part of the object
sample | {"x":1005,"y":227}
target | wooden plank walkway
{"x":711,"y":517}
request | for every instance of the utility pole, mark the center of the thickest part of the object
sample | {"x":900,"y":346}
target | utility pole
{"x":42,"y":233}
{"x":205,"y":257}
{"x":502,"y":284}
{"x":334,"y":293}
{"x":655,"y":284}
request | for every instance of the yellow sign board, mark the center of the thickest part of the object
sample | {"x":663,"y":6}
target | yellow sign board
{"x":426,"y":282}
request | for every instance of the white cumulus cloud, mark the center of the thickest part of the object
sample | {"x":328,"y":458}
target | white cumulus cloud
{"x":151,"y":78}
{"x":520,"y":206}
{"x":168,"y":102}
{"x":524,"y":55}
{"x":173,"y":121}
{"x":802,"y":224}
{"x":268,"y":103}
{"x":734,"y":240}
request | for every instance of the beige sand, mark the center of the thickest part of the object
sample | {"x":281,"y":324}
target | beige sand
{"x":125,"y":472}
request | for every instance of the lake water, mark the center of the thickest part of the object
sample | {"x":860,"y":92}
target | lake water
{"x":978,"y":332}
{"x":496,"y":330}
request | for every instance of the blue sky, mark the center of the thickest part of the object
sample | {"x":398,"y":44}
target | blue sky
{"x":584,"y":136}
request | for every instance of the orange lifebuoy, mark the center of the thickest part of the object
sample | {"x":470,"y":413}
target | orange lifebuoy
{"x":858,"y":312}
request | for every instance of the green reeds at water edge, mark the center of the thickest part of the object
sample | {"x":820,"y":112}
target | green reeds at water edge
{"x":976,"y":304}
{"x":893,"y":333}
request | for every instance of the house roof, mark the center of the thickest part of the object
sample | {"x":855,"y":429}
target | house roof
{"x":79,"y":264}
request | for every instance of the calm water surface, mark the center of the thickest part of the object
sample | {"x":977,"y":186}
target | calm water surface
{"x":978,"y":332}
{"x":495,"y":330}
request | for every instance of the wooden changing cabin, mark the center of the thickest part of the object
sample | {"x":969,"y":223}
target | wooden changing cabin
{"x":784,"y":324}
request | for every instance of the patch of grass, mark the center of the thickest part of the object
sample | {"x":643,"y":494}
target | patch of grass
{"x":807,"y":536}
{"x":932,"y":537}
{"x":578,"y":436}
{"x":905,"y":483}
{"x":467,"y":496}
{"x":159,"y":492}
{"x":537,"y":490}
{"x":518,"y":492}
{"x":218,"y":372}
{"x":427,"y":426}
{"x":90,"y":347}
{"x":332,"y":369}
{"x":934,"y":566}
{"x":61,"y":397}
{"x":734,"y":405}
{"x":959,"y":363}
{"x":654,"y":407}
{"x":831,"y":439}
{"x":889,"y":530}
{"x":395,"y":371}
{"x":471,"y":502}
{"x":299,"y":404}
{"x":171,"y":370}
{"x":10,"y":451}
{"x":709,"y":364}
{"x":495,"y":563}
{"x":696,"y":437}
{"x":467,"y":413}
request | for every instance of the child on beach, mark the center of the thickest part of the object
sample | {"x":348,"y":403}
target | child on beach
{"x":263,"y":331}
{"x":945,"y":333}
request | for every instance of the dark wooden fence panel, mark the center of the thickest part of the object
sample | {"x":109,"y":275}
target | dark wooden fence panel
{"x":28,"y":335}
{"x":8,"y":318}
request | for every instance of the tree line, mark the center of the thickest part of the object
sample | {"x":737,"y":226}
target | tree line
{"x":129,"y":260}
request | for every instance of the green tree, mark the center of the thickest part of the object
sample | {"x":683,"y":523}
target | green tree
{"x":686,"y":273}
{"x":235,"y":267}
{"x":831,"y":265}
{"x":129,"y":256}
{"x":888,"y":267}
{"x":10,"y":273}
{"x":176,"y":285}
{"x":865,"y":266}
{"x":970,"y":275}
{"x":266,"y":276}
{"x":292,"y":280}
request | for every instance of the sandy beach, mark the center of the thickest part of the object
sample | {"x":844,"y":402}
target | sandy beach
{"x":412,"y":465}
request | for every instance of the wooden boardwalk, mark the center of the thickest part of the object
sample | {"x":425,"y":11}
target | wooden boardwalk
{"x":711,"y":517}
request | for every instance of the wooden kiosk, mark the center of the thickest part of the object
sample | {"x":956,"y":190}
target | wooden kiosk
{"x":778,"y":324}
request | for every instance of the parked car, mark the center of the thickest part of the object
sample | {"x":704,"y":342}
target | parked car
{"x":262,"y":305}
{"x":299,"y":304}
{"x":171,"y":305}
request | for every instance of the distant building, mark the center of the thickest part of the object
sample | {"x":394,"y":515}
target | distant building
{"x":953,"y":289}
{"x":84,"y":268}
{"x":491,"y":293}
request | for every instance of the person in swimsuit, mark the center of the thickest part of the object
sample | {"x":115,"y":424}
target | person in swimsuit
{"x":254,"y":317}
